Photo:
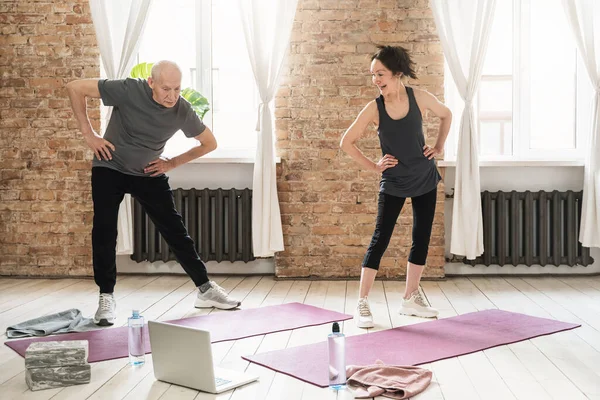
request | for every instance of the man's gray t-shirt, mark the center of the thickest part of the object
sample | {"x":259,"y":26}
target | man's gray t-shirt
{"x":139,"y":127}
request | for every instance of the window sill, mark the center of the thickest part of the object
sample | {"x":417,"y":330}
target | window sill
{"x":228,"y":159}
{"x":222,"y":160}
{"x":521,"y":163}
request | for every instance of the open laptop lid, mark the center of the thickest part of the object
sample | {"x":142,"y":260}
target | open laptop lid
{"x":182,"y":355}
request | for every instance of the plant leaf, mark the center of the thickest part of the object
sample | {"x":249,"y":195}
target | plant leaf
{"x":199,"y":103}
{"x":142,"y":70}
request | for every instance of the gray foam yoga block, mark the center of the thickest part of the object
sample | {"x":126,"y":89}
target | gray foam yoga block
{"x":54,"y":377}
{"x":56,"y":354}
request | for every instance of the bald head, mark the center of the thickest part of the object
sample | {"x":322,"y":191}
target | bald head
{"x":165,"y":69}
{"x":165,"y":82}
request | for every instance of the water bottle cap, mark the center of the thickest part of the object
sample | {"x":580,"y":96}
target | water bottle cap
{"x":336,"y":327}
{"x":135,"y":313}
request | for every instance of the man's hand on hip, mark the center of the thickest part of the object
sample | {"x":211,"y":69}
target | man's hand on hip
{"x":159,"y":166}
{"x":99,"y":145}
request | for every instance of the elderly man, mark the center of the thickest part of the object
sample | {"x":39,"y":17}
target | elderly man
{"x":128,"y":160}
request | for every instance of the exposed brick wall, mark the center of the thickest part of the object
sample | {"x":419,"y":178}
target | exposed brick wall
{"x":328,"y":203}
{"x":45,"y":198}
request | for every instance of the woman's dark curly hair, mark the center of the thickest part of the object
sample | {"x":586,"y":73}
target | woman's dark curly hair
{"x":396,"y":59}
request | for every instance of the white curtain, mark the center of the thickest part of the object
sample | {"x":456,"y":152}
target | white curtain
{"x":584,"y":18}
{"x":267,"y":29}
{"x":118,"y":42}
{"x":464,"y":27}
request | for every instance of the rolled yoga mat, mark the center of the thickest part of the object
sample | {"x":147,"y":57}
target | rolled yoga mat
{"x":413,"y":344}
{"x":110,"y":343}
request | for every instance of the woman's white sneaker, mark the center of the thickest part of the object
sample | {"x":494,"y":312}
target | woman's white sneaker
{"x":417,"y":305}
{"x":363,"y":316}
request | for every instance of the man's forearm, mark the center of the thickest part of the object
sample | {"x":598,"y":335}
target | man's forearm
{"x":79,"y":105}
{"x":192,"y":154}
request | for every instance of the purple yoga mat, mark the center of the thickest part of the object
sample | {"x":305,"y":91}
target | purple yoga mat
{"x":110,"y":343}
{"x":413,"y":344}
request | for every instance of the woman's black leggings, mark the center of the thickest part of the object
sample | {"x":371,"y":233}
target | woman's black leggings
{"x":389,"y":208}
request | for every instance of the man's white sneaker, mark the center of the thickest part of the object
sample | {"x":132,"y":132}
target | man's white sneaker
{"x":363,"y":316}
{"x":216,"y":297}
{"x":417,"y":305}
{"x":106,"y":313}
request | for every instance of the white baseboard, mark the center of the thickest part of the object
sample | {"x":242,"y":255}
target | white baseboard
{"x":266,"y":266}
{"x":465,"y":269}
{"x":260,"y":266}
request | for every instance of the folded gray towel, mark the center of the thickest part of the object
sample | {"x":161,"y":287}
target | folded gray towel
{"x":65,"y":321}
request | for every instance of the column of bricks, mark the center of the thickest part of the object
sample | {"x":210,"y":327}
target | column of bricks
{"x":328,"y":203}
{"x":45,"y":196}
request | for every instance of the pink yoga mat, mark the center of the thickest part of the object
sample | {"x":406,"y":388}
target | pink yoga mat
{"x":413,"y":344}
{"x":110,"y":343}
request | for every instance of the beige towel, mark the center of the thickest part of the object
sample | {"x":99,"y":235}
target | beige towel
{"x":393,"y":381}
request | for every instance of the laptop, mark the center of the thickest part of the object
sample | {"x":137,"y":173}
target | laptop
{"x":182,"y":355}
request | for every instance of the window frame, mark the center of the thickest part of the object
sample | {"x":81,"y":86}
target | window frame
{"x":203,"y":80}
{"x":521,"y":135}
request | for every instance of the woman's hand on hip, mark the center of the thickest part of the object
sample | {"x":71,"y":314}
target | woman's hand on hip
{"x":431,"y":152}
{"x":387,"y":161}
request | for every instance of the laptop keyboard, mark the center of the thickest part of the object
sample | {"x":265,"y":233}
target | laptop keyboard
{"x":220,"y":382}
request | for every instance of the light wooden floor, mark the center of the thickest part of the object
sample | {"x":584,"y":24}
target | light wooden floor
{"x":562,"y":366}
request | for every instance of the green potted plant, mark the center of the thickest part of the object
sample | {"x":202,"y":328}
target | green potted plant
{"x":199,"y":103}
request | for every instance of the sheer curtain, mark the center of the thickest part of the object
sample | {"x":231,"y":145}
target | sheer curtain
{"x":118,"y":42}
{"x":584,"y":18}
{"x":267,"y":31}
{"x":464,"y":27}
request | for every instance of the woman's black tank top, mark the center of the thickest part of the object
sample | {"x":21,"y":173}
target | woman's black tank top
{"x":403,"y":138}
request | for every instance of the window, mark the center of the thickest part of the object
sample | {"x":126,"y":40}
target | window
{"x":534,"y":98}
{"x":205,"y":38}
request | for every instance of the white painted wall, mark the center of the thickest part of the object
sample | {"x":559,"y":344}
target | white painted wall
{"x":212,"y":175}
{"x":519,"y":178}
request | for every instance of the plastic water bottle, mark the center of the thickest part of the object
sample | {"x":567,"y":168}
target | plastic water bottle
{"x":336,"y":345}
{"x":136,"y":338}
